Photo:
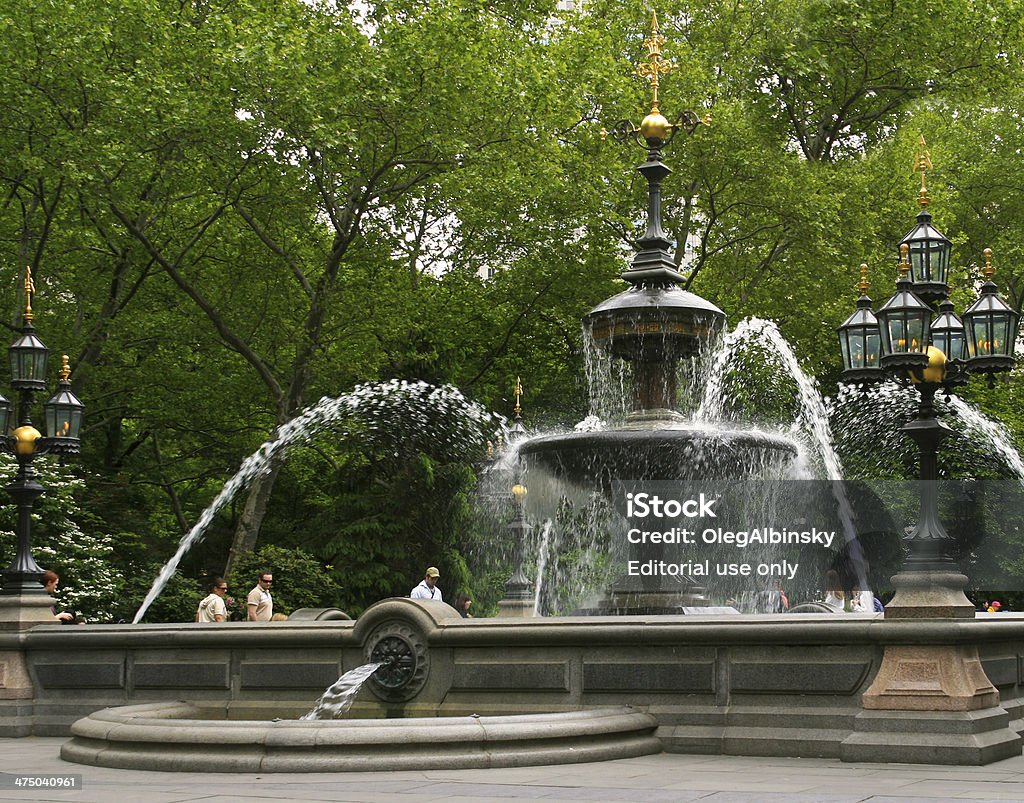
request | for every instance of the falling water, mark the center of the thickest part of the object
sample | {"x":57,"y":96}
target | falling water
{"x":812,"y":407}
{"x":399,"y":411}
{"x":874,"y":417}
{"x":542,"y":561}
{"x":812,"y":411}
{"x":339,"y":697}
{"x":994,"y":432}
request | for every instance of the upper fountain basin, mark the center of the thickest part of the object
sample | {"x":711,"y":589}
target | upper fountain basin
{"x":654,"y":322}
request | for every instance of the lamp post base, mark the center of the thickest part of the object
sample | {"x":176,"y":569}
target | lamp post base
{"x":929,"y":595}
{"x":931,"y":703}
{"x":510,"y":608}
{"x":962,"y":738}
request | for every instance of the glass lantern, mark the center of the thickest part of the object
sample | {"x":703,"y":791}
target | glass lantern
{"x":28,"y":361}
{"x":904,"y":322}
{"x":928,"y":250}
{"x":948,"y":334}
{"x":860,"y":342}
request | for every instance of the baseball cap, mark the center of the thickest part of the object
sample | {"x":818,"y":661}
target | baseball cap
{"x":433,"y":572}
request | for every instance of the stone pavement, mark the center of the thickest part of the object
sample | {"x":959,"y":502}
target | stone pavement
{"x":653,"y":779}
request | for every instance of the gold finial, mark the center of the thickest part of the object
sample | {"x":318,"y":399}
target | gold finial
{"x":65,"y":368}
{"x":30,"y":288}
{"x":863,"y":284}
{"x":922,"y":163}
{"x":518,"y":409}
{"x":989,"y":271}
{"x":655,"y":68}
{"x":904,"y":260}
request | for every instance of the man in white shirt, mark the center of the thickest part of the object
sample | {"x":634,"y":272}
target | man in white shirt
{"x":427,"y":589}
{"x":259,"y":605}
{"x":212,"y":608}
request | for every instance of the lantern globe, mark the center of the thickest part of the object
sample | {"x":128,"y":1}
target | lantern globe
{"x":860,"y":342}
{"x":991,"y":327}
{"x":947,"y":331}
{"x":63,"y":415}
{"x":28,"y":358}
{"x":928,"y":252}
{"x":904,"y":322}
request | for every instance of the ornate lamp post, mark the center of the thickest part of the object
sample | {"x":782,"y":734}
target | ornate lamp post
{"x":517,"y":430}
{"x":518,"y":600}
{"x":63,"y":421}
{"x":654,"y":323}
{"x":917,"y":337}
{"x":927,"y":692}
{"x":519,"y":591}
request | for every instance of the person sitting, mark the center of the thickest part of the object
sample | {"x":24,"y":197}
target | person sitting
{"x":462,"y":603}
{"x":835,"y":596}
{"x":862,"y":601}
{"x":50,"y":581}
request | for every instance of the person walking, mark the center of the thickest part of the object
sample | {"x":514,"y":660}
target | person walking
{"x":427,"y":589}
{"x":259,"y":605}
{"x":212,"y":608}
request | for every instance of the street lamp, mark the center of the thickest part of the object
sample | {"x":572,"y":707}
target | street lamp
{"x":62,"y":414}
{"x":917,"y":337}
{"x":518,"y":588}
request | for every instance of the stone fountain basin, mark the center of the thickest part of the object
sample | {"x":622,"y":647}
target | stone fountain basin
{"x":660,"y":451}
{"x":178,"y":736}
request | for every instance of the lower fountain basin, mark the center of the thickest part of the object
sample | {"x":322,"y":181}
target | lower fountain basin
{"x":188,"y":738}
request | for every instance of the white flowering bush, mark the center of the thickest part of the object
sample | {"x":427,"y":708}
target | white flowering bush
{"x":65,"y":540}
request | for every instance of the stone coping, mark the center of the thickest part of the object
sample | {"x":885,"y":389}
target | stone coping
{"x":721,"y":630}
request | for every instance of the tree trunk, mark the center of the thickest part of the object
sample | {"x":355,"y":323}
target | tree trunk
{"x":247,"y":531}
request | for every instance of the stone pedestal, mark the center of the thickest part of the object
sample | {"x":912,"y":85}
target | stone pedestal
{"x":18,"y":613}
{"x":929,"y":595}
{"x":961,"y":738}
{"x":931,"y":703}
{"x":510,"y":608}
{"x":931,"y":678}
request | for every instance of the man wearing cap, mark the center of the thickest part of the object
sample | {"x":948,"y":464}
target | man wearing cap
{"x":427,"y":589}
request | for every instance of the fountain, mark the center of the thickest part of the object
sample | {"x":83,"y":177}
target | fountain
{"x":652,"y":326}
{"x":516,"y":692}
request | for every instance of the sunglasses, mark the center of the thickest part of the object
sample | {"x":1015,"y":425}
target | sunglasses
{"x":268,"y":582}
{"x":222,"y":588}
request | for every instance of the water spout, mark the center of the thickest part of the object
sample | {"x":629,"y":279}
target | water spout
{"x":338,"y":697}
{"x":405,"y":412}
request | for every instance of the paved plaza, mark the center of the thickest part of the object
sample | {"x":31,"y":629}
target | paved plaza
{"x":719,"y":779}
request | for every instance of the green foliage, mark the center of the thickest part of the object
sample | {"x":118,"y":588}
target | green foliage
{"x":177,"y":602}
{"x":233,"y":210}
{"x":66,"y":539}
{"x":300,"y":580}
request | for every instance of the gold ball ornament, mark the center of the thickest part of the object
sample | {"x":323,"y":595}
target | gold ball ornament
{"x":655,"y":126}
{"x":935,"y":372}
{"x":25,"y":438}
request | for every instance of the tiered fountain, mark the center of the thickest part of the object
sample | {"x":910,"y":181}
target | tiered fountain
{"x":513,"y":692}
{"x":652,"y":326}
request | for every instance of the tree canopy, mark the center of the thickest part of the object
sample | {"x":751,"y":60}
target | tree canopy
{"x":234,"y":208}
